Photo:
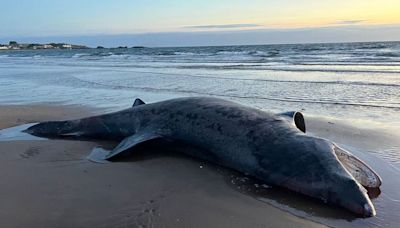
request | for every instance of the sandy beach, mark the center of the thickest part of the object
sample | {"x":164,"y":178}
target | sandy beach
{"x":51,"y":184}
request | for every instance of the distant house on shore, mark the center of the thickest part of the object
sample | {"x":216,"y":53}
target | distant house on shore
{"x":47,"y":46}
{"x":67,"y":46}
{"x":13,"y":45}
{"x":23,"y":46}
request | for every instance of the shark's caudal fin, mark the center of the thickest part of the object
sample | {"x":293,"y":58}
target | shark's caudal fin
{"x":296,"y":118}
{"x":100,"y":155}
{"x":365,"y":175}
{"x":138,"y":102}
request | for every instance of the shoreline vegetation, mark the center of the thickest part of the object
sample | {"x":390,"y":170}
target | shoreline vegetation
{"x":13,"y":45}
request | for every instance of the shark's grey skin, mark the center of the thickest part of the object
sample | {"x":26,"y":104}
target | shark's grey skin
{"x":262,"y":144}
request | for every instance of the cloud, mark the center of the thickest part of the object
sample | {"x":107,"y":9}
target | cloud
{"x":225,"y":26}
{"x":349,"y":22}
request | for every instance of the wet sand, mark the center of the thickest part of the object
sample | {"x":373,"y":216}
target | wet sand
{"x":378,"y":146}
{"x":51,"y":184}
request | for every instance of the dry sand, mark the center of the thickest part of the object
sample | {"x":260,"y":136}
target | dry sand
{"x":51,"y":184}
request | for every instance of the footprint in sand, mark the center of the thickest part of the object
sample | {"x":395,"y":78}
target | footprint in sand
{"x":31,"y":152}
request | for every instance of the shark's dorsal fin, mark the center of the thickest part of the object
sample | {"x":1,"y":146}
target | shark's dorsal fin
{"x":296,"y":118}
{"x":101,"y":156}
{"x":138,"y":102}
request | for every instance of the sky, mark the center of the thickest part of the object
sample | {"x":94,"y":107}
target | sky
{"x":194,"y":22}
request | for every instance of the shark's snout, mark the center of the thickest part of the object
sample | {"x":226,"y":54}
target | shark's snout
{"x":355,"y":198}
{"x":369,"y":210}
{"x":366,"y":210}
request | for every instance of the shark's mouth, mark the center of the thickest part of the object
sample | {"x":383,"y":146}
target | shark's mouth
{"x":364,"y":174}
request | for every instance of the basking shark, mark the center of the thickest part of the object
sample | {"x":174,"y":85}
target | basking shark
{"x":273,"y":148}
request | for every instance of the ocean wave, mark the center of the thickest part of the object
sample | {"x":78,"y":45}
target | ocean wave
{"x":264,"y":54}
{"x":182,"y":53}
{"x":100,"y":55}
{"x":356,"y":83}
{"x":254,"y":65}
{"x":286,"y":99}
{"x":80,"y":55}
{"x":288,"y":56}
{"x":215,"y":78}
{"x":372,"y":46}
{"x":162,"y":53}
{"x":387,"y":54}
{"x":309,"y":49}
{"x":223,"y":52}
{"x":346,"y":63}
{"x":264,"y":67}
{"x":250,"y":53}
{"x":334,"y":70}
{"x":242,"y":54}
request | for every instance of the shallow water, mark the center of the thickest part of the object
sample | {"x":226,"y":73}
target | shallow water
{"x":16,"y":133}
{"x":386,"y":199}
{"x":358,"y":80}
{"x":357,"y":83}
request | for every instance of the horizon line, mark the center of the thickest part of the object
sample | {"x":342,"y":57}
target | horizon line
{"x":231,"y":45}
{"x":304,"y":35}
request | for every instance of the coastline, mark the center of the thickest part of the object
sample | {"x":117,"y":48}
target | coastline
{"x":50,"y":183}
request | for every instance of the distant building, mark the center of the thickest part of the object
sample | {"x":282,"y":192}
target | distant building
{"x":13,"y":45}
{"x":23,"y":46}
{"x":67,"y":46}
{"x":47,"y":46}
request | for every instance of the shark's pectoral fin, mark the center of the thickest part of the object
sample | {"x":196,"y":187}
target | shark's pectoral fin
{"x":365,"y":175}
{"x":100,"y":155}
{"x":296,"y":118}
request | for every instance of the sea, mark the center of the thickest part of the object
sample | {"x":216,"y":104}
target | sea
{"x":357,"y":83}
